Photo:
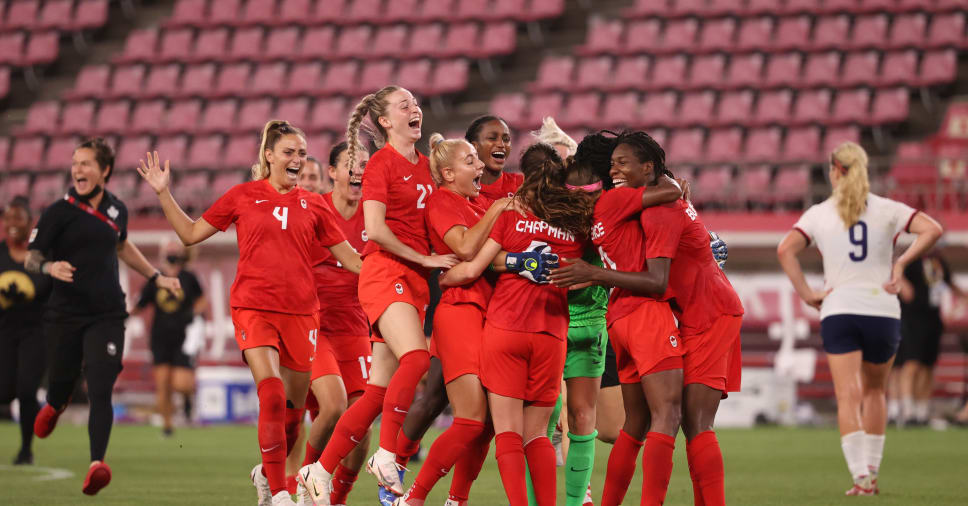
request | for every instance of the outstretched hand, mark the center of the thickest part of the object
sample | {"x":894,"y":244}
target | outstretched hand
{"x":574,"y":271}
{"x":158,"y":177}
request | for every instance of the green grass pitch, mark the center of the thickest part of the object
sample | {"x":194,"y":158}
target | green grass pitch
{"x":771,"y":466}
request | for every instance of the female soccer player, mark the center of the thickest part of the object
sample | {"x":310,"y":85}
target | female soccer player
{"x":84,"y":235}
{"x":174,"y":369}
{"x":393,"y":286}
{"x":491,"y":137}
{"x":22,"y":298}
{"x":273,"y":297}
{"x":342,"y":361}
{"x":859,"y":311}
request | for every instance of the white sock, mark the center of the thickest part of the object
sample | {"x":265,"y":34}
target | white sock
{"x":874,"y":448}
{"x":907,"y":408}
{"x":853,"y":446}
{"x":921,"y":410}
{"x":893,"y":409}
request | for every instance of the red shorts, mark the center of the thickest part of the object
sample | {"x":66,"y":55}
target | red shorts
{"x":646,"y":341}
{"x":349,"y":357}
{"x":293,"y":335}
{"x":384,"y":279}
{"x":714,"y":357}
{"x":522,"y":365}
{"x":458,"y":333}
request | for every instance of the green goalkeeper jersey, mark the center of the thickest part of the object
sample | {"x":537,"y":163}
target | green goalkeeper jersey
{"x":588,"y":305}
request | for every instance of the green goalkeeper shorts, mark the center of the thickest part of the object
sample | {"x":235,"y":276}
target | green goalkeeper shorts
{"x":586,"y":351}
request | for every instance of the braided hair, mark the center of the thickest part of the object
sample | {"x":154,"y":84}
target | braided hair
{"x":371,"y":106}
{"x":646,"y":150}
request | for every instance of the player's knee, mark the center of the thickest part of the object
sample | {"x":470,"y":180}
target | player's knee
{"x":581,"y":421}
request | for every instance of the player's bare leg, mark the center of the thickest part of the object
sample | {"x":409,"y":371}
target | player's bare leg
{"x":846,"y":371}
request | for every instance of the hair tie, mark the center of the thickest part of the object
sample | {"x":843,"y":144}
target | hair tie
{"x":837,"y":165}
{"x":594,"y":187}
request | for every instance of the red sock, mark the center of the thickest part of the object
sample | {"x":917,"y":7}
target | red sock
{"x":294,"y":419}
{"x":406,"y":448}
{"x":511,"y":464}
{"x":399,"y":396}
{"x":272,"y":432}
{"x":444,"y":453}
{"x":352,"y":426}
{"x":312,"y":405}
{"x":343,"y":480}
{"x":621,"y":468}
{"x":541,"y":464}
{"x":468,"y":467}
{"x":656,"y":467}
{"x":706,"y":468}
{"x":312,"y":454}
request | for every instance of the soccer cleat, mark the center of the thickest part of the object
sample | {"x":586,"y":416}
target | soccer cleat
{"x":282,"y":498}
{"x":384,"y":496}
{"x":261,"y":484}
{"x":24,"y":458}
{"x":317,"y":482}
{"x":873,"y":473}
{"x":389,"y":474}
{"x":451,"y":502}
{"x":862,"y":486}
{"x":303,"y":498}
{"x":46,"y":420}
{"x":588,"y":497}
{"x":98,"y":477}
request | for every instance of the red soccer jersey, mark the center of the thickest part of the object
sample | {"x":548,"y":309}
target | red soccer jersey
{"x":621,"y":244}
{"x":506,"y":185}
{"x":518,"y":304}
{"x":335,"y":285}
{"x":276,"y":234}
{"x":702,"y":292}
{"x":445,"y":210}
{"x":404,"y":188}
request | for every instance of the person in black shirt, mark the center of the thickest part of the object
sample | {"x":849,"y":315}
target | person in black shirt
{"x":175,"y":313}
{"x":22,"y":297}
{"x":78,"y":241}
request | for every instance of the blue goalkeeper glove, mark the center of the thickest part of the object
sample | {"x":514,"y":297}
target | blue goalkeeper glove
{"x":720,"y":251}
{"x":533,"y":265}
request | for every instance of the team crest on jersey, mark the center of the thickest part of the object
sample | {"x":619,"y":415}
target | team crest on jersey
{"x":673,"y":341}
{"x":302,"y":202}
{"x":113,"y":212}
{"x":112,"y":349}
{"x":399,"y":288}
{"x":364,"y":237}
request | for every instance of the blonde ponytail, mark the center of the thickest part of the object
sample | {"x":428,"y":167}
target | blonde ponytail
{"x":851,"y":191}
{"x":442,"y":153}
{"x":373,"y":106}
{"x":551,"y":133}
{"x":271,"y":133}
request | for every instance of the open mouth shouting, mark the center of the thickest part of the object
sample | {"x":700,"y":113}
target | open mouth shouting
{"x":499,"y":156}
{"x":477,"y":183}
{"x":618,"y":182}
{"x":292,"y":172}
{"x":414,"y":123}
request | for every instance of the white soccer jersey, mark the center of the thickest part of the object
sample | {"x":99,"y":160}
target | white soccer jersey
{"x":857,"y":261}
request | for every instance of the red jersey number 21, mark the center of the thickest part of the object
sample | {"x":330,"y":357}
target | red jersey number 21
{"x":425,"y":191}
{"x":281,"y":214}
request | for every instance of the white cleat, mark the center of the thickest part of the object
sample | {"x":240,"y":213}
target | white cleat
{"x":317,"y":482}
{"x":261,"y":484}
{"x":282,"y":499}
{"x":451,"y":502}
{"x":588,"y":497}
{"x":303,"y":498}
{"x":383,"y":465}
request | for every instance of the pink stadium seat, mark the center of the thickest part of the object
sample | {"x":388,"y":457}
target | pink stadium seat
{"x":176,"y":45}
{"x":548,"y":104}
{"x":22,"y":15}
{"x":604,"y":36}
{"x":240,"y":151}
{"x":225,"y":13}
{"x":869,"y":32}
{"x":723,"y":7}
{"x":328,"y":11}
{"x":112,"y":118}
{"x":763,"y":144}
{"x":630,"y":73}
{"x":461,"y":39}
{"x":257,"y":13}
{"x":860,"y":68}
{"x":41,"y":118}
{"x":47,"y":188}
{"x":353,"y":41}
{"x":192,"y":188}
{"x":685,"y":145}
{"x":688,"y":7}
{"x":735,"y":108}
{"x":77,"y":118}
{"x":668,"y":72}
{"x":758,"y":7}
{"x":139,"y":46}
{"x":293,"y":110}
{"x":92,"y":82}
{"x":707,"y":71}
{"x":162,"y":81}
{"x":219,"y":116}
{"x":198,"y":81}
{"x":304,"y":79}
{"x":27,"y":154}
{"x":938,"y":67}
{"x":838,"y":135}
{"x":328,"y":114}
{"x":851,"y":106}
{"x":12,"y":48}
{"x":783,"y":70}
{"x":173,"y":149}
{"x":253,"y":115}
{"x":724,"y":145}
{"x":908,"y":31}
{"x":405,"y":11}
{"x":582,"y":110}
{"x":802,"y":144}
{"x":471,"y":10}
{"x":621,"y":110}
{"x":837,"y":6}
{"x":755,"y":34}
{"x":12,"y":186}
{"x":648,"y":8}
{"x":146,"y":117}
{"x":210,"y":45}
{"x":341,"y":77}
{"x":713,"y":185}
{"x":745,"y":71}
{"x":754,"y":185}
{"x":232,"y":80}
{"x":773,"y":107}
{"x":126,"y":81}
{"x":789,"y":185}
{"x":822,"y":69}
{"x":188,"y":13}
{"x":317,"y":43}
{"x":425,"y":40}
{"x":42,"y":48}
{"x":695,"y":109}
{"x":642,"y":36}
{"x":898,"y":68}
{"x":296,"y":12}
{"x":450,"y":76}
{"x":56,"y":14}
{"x":544,"y":9}
{"x":497,"y":39}
{"x":361,"y":11}
{"x":131,"y":150}
{"x":225,"y":180}
{"x":502,"y":10}
{"x":949,"y":5}
{"x":913,"y":5}
{"x":389,"y":41}
{"x":594,"y":73}
{"x":182,"y":117}
{"x":801,"y":6}
{"x":813,"y":106}
{"x":658,"y":109}
{"x":890,"y":106}
{"x":717,"y":35}
{"x":376,"y":74}
{"x":679,"y":35}
{"x":281,"y":44}
{"x":246,"y":45}
{"x":436,"y":10}
{"x":554,"y":73}
{"x":269,"y":78}
{"x":511,"y":107}
{"x":947,"y":30}
{"x":205,"y":153}
{"x":792,"y":33}
{"x":415,"y":76}
{"x":124,"y":185}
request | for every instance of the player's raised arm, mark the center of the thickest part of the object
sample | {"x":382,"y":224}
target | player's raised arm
{"x":159,"y":178}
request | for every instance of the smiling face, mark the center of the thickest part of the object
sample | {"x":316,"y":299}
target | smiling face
{"x":86,"y":172}
{"x":16,"y":221}
{"x":403,"y":117}
{"x":493,"y":145}
{"x":463,"y":173}
{"x":285,"y":160}
{"x":628,"y":170}
{"x":311,"y":177}
{"x":349,"y":182}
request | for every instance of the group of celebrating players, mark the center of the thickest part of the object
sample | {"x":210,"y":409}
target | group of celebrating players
{"x":331,"y":293}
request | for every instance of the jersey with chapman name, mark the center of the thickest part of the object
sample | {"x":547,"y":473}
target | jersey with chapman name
{"x":857,"y":260}
{"x":518,"y":304}
{"x":404,"y":188}
{"x":506,"y":185}
{"x":276,"y":233}
{"x":336,"y":286}
{"x":703,"y":293}
{"x":621,"y":243}
{"x":446,"y":210}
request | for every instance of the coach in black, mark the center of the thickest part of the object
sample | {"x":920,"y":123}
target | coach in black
{"x":78,"y":242}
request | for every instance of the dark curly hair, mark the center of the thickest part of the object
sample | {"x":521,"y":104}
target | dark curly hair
{"x":595,"y":154}
{"x":543,"y":191}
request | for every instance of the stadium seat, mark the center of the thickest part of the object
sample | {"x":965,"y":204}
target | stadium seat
{"x":176,"y":45}
{"x":320,"y":144}
{"x":293,"y":110}
{"x":77,"y":118}
{"x":938,"y":67}
{"x":471,"y":10}
{"x":830,"y":32}
{"x":341,"y":77}
{"x":548,"y":104}
{"x":415,"y":76}
{"x":124,"y":185}
{"x":317,"y":43}
{"x":304,"y":80}
{"x":695,"y":109}
{"x":783,"y":70}
{"x":246,"y":45}
{"x":620,"y":110}
{"x":759,"y":7}
{"x":510,"y":106}
{"x":877,"y":6}
{"x":42,"y":48}
{"x":205,"y":153}
{"x":376,"y":74}
{"x":328,"y":11}
{"x":450,"y":76}
{"x":328,"y":114}
{"x":253,"y":115}
{"x":648,"y":8}
{"x":139,"y":46}
{"x":724,"y":145}
{"x":12,"y":186}
{"x":792,"y":33}
{"x":425,"y":40}
{"x":59,"y":155}
{"x":717,"y":35}
{"x":801,"y":7}
{"x":294,"y":12}
{"x":554,"y":73}
{"x":898,"y":67}
{"x":860,"y":68}
{"x":192,"y":188}
{"x":593,"y":73}
{"x":268,"y":79}
{"x":773,"y":107}
{"x":907,"y":31}
{"x":162,"y":81}
{"x":753,"y":186}
{"x":198,"y":81}
{"x":668,"y":72}
{"x":182,"y":117}
{"x":224,"y":13}
{"x":281,"y":44}
{"x":851,"y":106}
{"x":48,"y":188}
{"x":582,"y":110}
{"x":789,"y":185}
{"x":813,"y":106}
{"x":836,"y":136}
{"x":642,"y":36}
{"x":685,"y":145}
{"x":802,"y":143}
{"x":56,"y":15}
{"x":389,"y":41}
{"x":219,"y":116}
{"x":28,"y":153}
{"x":707,"y":71}
{"x":257,"y":13}
{"x":762,"y":144}
{"x":353,"y":42}
{"x":126,"y":81}
{"x":629,"y":74}
{"x":187,"y":13}
{"x":12,"y":48}
{"x":735,"y":108}
{"x":460,"y":40}
{"x":240,"y":151}
{"x":401,"y":11}
{"x":90,"y":14}
{"x":713,"y":185}
{"x":821,"y":69}
{"x":131,"y":150}
{"x":41,"y":118}
{"x":210,"y":45}
{"x":890,"y":106}
{"x":112,"y":118}
{"x":504,"y":10}
{"x":745,"y":71}
{"x":947,"y":30}
{"x":688,"y":8}
{"x":233,"y":80}
{"x":544,"y":9}
{"x":497,"y":39}
{"x":174,"y":149}
{"x":869,"y":32}
{"x":604,"y":36}
{"x":146,"y":117}
{"x":22,"y":15}
{"x":679,"y":36}
{"x":436,"y":10}
{"x":658,"y":109}
{"x":755,"y":34}
{"x":724,"y":7}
